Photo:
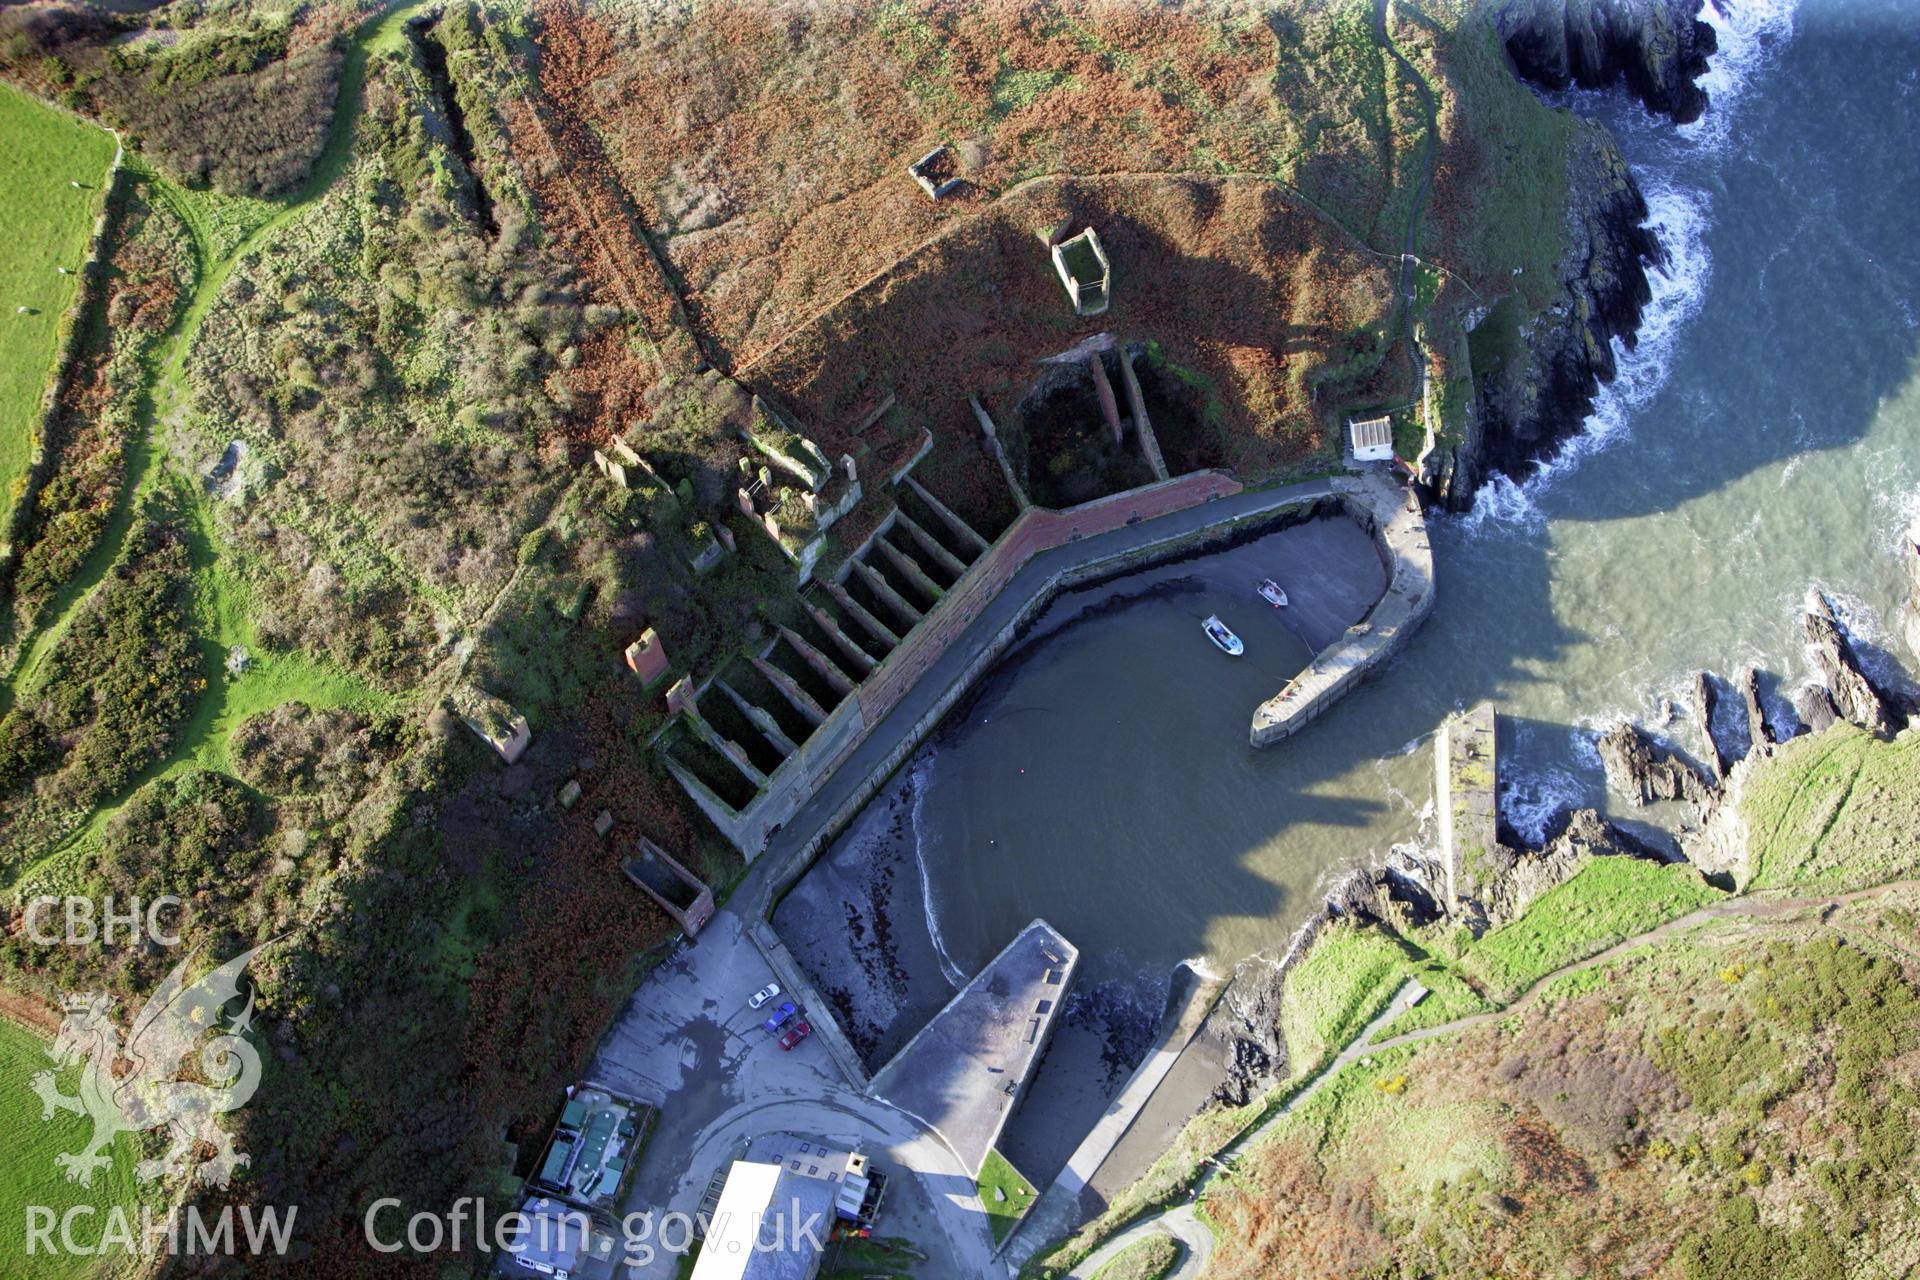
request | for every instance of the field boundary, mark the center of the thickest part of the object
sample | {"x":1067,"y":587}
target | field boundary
{"x":67,"y":351}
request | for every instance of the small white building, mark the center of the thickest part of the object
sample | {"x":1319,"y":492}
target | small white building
{"x":1371,"y":439}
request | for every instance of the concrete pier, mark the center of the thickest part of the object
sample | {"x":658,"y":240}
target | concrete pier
{"x":1467,"y":765}
{"x":966,"y":1070}
{"x":1385,"y":510}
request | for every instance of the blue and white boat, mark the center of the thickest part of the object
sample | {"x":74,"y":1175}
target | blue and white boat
{"x":1228,"y":642}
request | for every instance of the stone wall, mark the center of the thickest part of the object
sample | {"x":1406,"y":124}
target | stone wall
{"x":1400,"y":532}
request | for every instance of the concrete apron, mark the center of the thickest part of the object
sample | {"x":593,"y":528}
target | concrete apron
{"x":1056,"y":1212}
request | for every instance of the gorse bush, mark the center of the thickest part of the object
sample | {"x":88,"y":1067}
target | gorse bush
{"x":242,"y":108}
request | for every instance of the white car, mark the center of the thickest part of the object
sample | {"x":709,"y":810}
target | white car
{"x":763,"y":995}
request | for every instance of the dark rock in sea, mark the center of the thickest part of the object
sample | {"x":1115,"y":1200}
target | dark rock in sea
{"x":1659,"y":48}
{"x":1646,"y":772}
{"x":1854,"y":695}
{"x":1249,"y":1069}
{"x":1910,"y":611}
{"x":1814,"y":706}
{"x":1706,"y":701}
{"x":1760,"y":730}
{"x":1246,"y":1020}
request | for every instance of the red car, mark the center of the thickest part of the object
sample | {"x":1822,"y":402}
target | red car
{"x":795,"y":1034}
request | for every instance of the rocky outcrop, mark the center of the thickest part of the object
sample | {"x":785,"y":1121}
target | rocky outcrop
{"x":1404,"y":894}
{"x":1706,"y":704}
{"x":1814,"y":705}
{"x":1645,"y":772}
{"x":1760,"y":730}
{"x":1659,"y":48}
{"x":1855,"y":696}
{"x":1521,"y":875}
{"x":1910,"y":611}
{"x":1542,"y":400}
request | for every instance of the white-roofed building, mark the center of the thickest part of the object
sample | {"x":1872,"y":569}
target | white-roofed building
{"x":770,"y":1224}
{"x":1371,"y":439}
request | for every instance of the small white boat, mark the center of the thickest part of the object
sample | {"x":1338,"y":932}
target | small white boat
{"x":1274,"y":595}
{"x":1217,"y":632}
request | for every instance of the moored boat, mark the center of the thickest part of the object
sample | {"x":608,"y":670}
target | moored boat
{"x":1228,"y":642}
{"x":1273,"y":594}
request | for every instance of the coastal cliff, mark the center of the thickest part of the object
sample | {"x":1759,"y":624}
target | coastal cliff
{"x":1522,"y":412}
{"x":1659,"y":48}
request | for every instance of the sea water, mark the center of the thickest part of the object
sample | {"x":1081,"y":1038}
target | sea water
{"x":1762,"y":439}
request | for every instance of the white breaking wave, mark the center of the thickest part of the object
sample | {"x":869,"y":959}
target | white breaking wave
{"x":1679,"y":217}
{"x":1748,"y":32}
{"x":1678,"y":206}
{"x":1530,"y":800}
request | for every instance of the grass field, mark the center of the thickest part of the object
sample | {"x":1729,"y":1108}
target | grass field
{"x":1740,"y":1095}
{"x":46,"y":221}
{"x":1003,"y":1214}
{"x":28,"y":1175}
{"x":1835,"y":811}
{"x":1346,"y":977}
{"x":1606,"y":901}
{"x":1151,"y":1259}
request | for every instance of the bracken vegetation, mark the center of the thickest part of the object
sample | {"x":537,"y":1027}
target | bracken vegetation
{"x":109,"y":697}
{"x":240,"y":101}
{"x":380,"y":283}
{"x":97,"y":417}
{"x":1728,"y":1105}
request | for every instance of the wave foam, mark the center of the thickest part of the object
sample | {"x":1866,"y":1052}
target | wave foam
{"x":919,"y":778}
{"x":1749,"y":35}
{"x":1749,"y":32}
{"x":1679,"y":288}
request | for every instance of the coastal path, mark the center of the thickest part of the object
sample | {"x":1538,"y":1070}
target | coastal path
{"x":1185,"y":1223}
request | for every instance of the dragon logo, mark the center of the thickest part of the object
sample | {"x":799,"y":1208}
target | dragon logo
{"x":141,"y":1083}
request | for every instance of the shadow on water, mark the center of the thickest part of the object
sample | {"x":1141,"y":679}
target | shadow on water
{"x":1808,"y":321}
{"x":1099,"y":776}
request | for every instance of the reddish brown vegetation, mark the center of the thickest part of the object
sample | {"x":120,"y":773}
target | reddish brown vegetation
{"x":582,"y":206}
{"x":1229,"y":275}
{"x":766,"y":149}
{"x":1296,"y":1228}
{"x":771,"y":144}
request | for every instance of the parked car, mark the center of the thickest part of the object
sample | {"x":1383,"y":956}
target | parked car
{"x":780,"y":1016}
{"x":795,"y":1034}
{"x":763,"y":995}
